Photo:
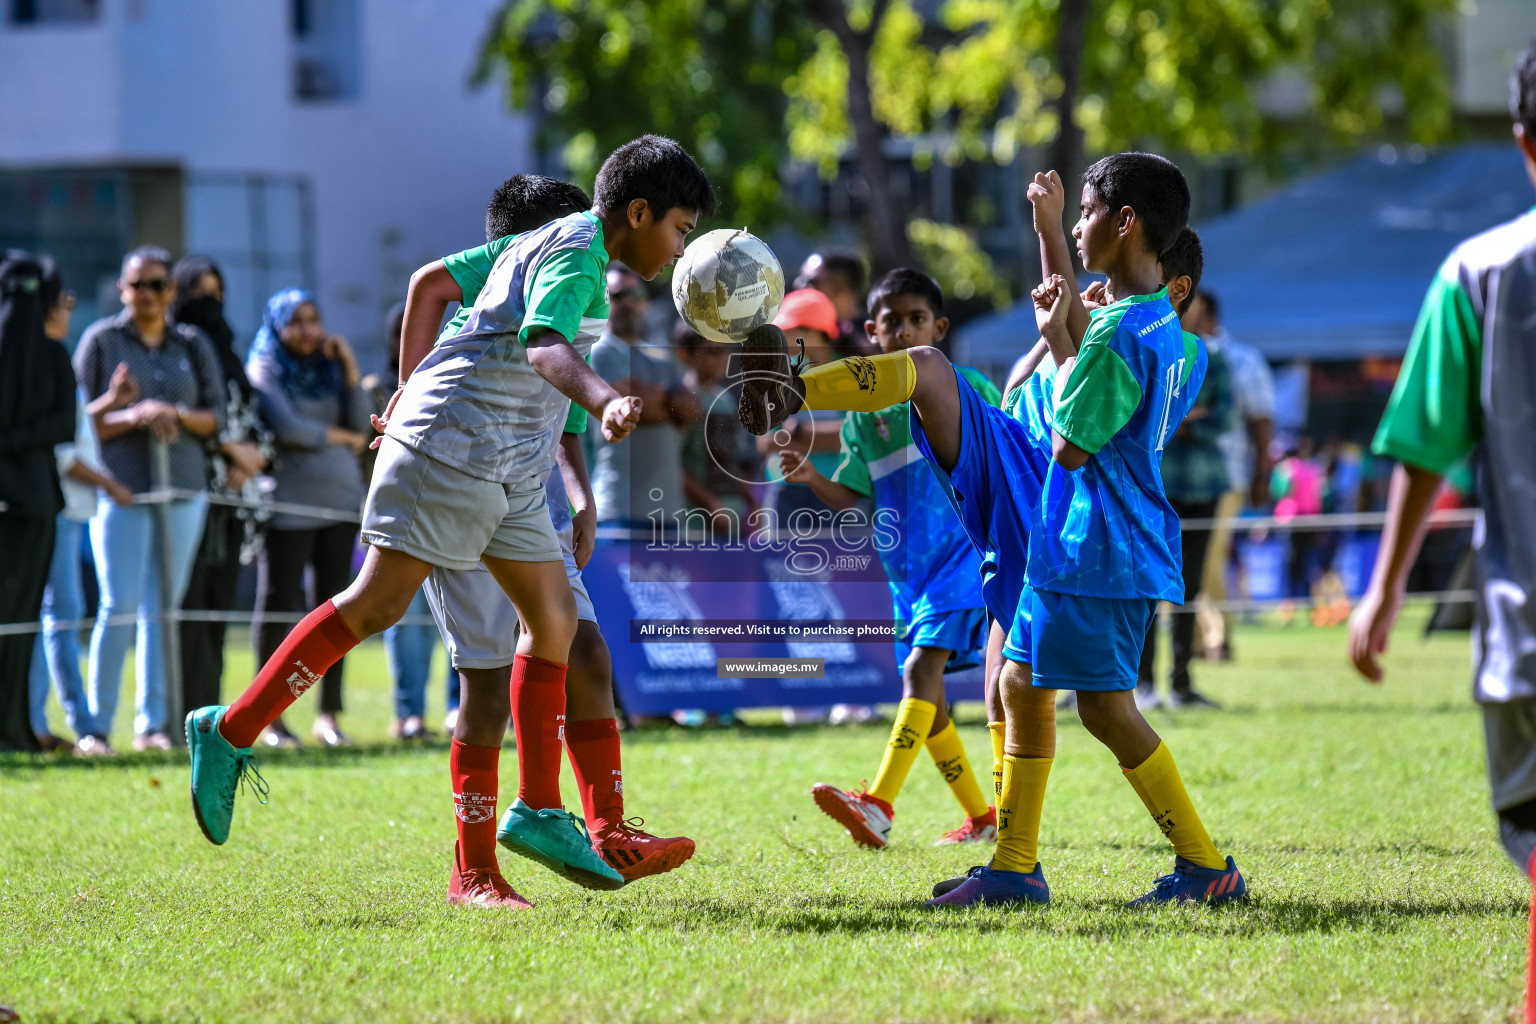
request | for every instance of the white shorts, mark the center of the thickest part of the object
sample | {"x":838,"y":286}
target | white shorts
{"x":476,"y":618}
{"x":443,"y":516}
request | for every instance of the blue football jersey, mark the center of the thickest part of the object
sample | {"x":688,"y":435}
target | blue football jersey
{"x":1107,"y":530}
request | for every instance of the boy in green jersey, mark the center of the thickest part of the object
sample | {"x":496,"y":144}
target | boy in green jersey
{"x":479,"y":625}
{"x":459,"y":482}
{"x":934,"y":574}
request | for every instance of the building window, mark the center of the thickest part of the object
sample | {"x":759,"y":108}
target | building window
{"x":52,"y":12}
{"x":327,"y":60}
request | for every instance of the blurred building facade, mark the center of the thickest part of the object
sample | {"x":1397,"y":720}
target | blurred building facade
{"x":336,"y":144}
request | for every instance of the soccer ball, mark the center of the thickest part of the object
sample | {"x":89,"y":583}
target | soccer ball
{"x":728,"y":284}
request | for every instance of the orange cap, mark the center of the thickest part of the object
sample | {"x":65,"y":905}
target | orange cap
{"x":807,"y":307}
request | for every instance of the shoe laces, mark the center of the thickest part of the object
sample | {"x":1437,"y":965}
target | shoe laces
{"x":800,"y":360}
{"x":479,"y":879}
{"x":249,"y":773}
{"x":1165,"y":885}
{"x":632,"y":827}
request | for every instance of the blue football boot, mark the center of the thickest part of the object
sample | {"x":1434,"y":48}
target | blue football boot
{"x":990,"y":886}
{"x":1191,"y":883}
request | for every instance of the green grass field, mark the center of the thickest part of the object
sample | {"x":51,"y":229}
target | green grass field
{"x":1378,"y":891}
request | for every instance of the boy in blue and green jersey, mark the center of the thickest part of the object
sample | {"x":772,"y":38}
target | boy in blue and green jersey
{"x":1101,"y":546}
{"x":934,"y":575}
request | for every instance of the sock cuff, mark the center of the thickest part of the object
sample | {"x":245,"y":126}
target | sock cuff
{"x":479,"y":759}
{"x":1158,"y":766}
{"x":910,"y":704}
{"x":591,"y":729}
{"x":944,"y":737}
{"x":336,"y":629}
{"x":538,"y":670}
{"x":1001,"y":727}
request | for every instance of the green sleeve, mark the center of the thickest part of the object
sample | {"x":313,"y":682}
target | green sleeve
{"x":563,"y":288}
{"x":1435,"y":415}
{"x":471,"y":268}
{"x":852,"y":472}
{"x":1099,"y":396}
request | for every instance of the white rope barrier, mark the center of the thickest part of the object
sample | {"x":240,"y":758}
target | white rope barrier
{"x":1445,"y":519}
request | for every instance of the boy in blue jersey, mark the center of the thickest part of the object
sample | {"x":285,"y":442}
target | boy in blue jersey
{"x":1029,"y":399}
{"x":1106,"y":547}
{"x":934,"y":575}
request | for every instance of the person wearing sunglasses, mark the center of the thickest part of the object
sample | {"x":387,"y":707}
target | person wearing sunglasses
{"x":168,"y":388}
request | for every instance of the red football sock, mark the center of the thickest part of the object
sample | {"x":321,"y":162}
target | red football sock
{"x":314,"y":645}
{"x":594,"y":747}
{"x":474,"y":801}
{"x":538,"y":722}
{"x":1530,"y":970}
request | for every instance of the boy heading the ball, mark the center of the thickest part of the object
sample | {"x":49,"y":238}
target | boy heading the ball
{"x":934,"y":575}
{"x":478,"y":623}
{"x":459,"y":482}
{"x":1100,"y":545}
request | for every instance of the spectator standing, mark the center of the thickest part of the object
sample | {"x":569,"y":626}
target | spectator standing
{"x":719,"y":456}
{"x":809,"y":317}
{"x":1245,"y":443}
{"x":170,"y":376}
{"x":37,"y":412}
{"x":312,"y":398}
{"x":409,"y":643}
{"x":236,"y":458}
{"x":56,"y":650}
{"x":640,"y":482}
{"x":1194,"y":479}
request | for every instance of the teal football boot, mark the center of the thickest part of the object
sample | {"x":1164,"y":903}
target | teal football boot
{"x":218,"y":769}
{"x":557,"y":839}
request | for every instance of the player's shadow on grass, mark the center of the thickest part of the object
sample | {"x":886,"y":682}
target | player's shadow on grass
{"x":306,"y":755}
{"x":1255,"y":917}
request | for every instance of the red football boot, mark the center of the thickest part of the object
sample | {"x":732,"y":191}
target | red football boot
{"x":636,"y":854}
{"x":980,"y":829}
{"x":481,"y":887}
{"x":867,"y":818}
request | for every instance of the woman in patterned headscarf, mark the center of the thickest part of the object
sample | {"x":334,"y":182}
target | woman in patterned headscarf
{"x":311,"y":398}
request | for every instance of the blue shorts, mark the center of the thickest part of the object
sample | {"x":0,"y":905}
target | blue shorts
{"x":995,"y":486}
{"x":1074,"y":642}
{"x":962,"y":632}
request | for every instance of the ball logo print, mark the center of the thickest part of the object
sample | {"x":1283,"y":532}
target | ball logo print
{"x":728,"y":284}
{"x":473,"y":808}
{"x":302,"y":679}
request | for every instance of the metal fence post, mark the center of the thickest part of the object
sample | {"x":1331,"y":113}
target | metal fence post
{"x":170,"y":613}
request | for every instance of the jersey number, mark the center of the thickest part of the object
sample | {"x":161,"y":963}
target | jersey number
{"x":1174,"y":377}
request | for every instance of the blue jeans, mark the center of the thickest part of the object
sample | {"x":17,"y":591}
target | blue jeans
{"x":128,"y":569}
{"x":408,"y":650}
{"x":57,"y":651}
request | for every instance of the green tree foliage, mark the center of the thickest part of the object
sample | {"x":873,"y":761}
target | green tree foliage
{"x":709,"y":74}
{"x":747,"y":83}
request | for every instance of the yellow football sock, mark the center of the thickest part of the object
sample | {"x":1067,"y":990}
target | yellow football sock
{"x":861,"y":383}
{"x":948,"y":754}
{"x":1018,"y":812}
{"x":999,"y":731}
{"x":1156,"y":780}
{"x":914,"y":720}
